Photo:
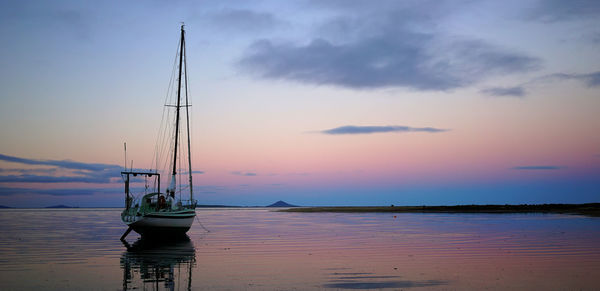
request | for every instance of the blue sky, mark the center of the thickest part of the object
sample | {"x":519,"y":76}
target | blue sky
{"x":313,"y":102}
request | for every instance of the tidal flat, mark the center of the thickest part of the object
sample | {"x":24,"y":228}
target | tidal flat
{"x":262,"y":249}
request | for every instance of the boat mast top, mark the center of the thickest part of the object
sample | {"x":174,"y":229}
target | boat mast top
{"x":187,"y":116}
{"x":182,"y":44}
{"x":171,"y":188}
{"x":182,"y":74}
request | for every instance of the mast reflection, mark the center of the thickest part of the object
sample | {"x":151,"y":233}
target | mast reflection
{"x":158,"y":265}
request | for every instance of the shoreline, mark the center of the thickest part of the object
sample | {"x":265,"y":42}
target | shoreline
{"x":588,"y":209}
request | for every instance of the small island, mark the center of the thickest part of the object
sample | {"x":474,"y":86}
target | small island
{"x":281,"y":203}
{"x":590,"y":209}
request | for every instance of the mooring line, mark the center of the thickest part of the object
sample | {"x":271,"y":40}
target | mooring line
{"x":198,"y":219}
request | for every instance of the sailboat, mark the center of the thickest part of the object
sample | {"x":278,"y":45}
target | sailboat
{"x":168,"y":214}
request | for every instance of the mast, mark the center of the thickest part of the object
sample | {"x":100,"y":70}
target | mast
{"x":172,"y":186}
{"x":187,"y":115}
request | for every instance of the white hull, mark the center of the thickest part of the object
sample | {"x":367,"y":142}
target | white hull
{"x":158,"y":223}
{"x":163,"y":222}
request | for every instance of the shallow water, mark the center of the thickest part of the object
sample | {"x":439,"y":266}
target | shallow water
{"x":257,"y":249}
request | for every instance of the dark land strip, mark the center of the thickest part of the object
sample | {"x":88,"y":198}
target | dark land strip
{"x":589,"y":209}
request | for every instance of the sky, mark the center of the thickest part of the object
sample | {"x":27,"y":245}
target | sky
{"x":311,"y":102}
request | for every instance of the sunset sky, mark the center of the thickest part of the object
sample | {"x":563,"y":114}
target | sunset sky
{"x":310,"y":102}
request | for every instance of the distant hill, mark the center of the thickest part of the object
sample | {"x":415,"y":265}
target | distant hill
{"x":60,"y":206}
{"x":2,"y":206}
{"x":281,"y":204}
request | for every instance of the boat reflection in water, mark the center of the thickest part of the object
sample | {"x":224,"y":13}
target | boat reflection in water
{"x":158,"y":264}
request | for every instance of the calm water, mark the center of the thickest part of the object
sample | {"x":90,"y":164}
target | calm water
{"x":256,"y":249}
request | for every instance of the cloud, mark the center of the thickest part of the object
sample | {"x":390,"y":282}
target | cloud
{"x":538,"y":168}
{"x":77,"y":172}
{"x":352,"y":129}
{"x":392,"y":46}
{"x":75,"y":21}
{"x":29,"y":171}
{"x":559,"y":10}
{"x":399,"y":61}
{"x":67,"y":164}
{"x":590,"y":80}
{"x":594,"y":37}
{"x":239,"y":173}
{"x":193,"y":172}
{"x":56,"y":179}
{"x":518,"y":91}
{"x":66,"y":18}
{"x":244,"y":20}
{"x":8,"y":191}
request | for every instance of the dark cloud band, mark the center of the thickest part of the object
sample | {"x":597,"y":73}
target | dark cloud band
{"x":384,"y":48}
{"x":8,"y":191}
{"x":79,"y":172}
{"x":66,"y":164}
{"x":352,"y":129}
{"x":240,"y":173}
{"x":518,"y":91}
